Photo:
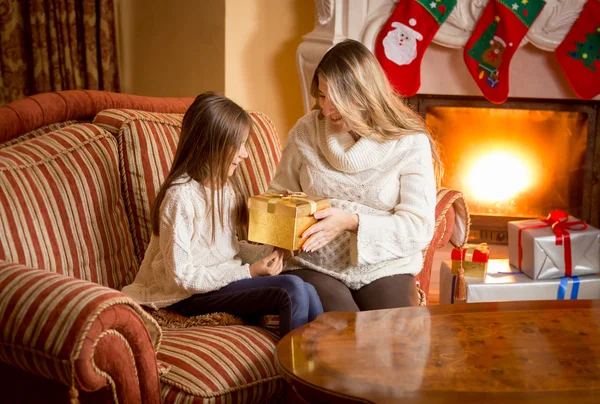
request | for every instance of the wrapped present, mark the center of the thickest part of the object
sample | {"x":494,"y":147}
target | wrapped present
{"x":472,"y":258}
{"x":504,"y":282}
{"x":279,"y":219}
{"x":553,"y":247}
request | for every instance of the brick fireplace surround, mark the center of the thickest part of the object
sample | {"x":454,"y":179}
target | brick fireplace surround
{"x":536,"y":79}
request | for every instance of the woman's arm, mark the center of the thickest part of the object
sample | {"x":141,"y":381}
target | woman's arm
{"x":193,"y":272}
{"x":410,"y":228}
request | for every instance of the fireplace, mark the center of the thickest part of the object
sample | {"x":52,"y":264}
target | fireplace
{"x":517,"y":160}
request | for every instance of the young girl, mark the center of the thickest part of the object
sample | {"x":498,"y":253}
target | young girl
{"x":194,"y":263}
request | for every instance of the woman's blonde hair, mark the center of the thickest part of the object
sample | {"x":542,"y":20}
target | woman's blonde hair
{"x":212,"y":132}
{"x":359,"y":89}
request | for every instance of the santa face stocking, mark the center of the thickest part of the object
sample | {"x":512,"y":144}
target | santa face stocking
{"x":404,"y":38}
{"x":495,"y":40}
{"x":579,"y":53}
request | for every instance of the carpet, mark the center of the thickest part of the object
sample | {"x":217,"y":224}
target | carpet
{"x":170,"y":319}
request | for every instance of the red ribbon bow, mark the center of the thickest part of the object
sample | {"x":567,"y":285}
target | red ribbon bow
{"x":558,"y":220}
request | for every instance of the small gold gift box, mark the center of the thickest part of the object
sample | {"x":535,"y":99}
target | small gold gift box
{"x":279,"y":219}
{"x":473,"y":258}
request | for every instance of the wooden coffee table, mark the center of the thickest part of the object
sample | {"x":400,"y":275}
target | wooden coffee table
{"x":513,"y":352}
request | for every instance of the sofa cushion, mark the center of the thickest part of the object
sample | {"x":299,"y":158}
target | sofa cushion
{"x":61,"y":208}
{"x":38,"y":132}
{"x":233,"y":364}
{"x":147,"y":144}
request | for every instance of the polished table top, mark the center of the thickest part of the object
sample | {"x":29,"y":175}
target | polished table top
{"x":544,"y":351}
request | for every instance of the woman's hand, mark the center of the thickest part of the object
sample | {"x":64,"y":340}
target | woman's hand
{"x":270,"y":265}
{"x":332,"y":222}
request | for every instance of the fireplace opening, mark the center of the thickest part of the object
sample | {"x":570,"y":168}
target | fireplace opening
{"x":518,"y":160}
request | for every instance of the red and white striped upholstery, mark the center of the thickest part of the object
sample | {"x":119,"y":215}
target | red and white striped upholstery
{"x":147,"y":143}
{"x":51,"y":325}
{"x":61,"y":208}
{"x":224,"y":364}
{"x":264,"y":149}
{"x":39,"y":132}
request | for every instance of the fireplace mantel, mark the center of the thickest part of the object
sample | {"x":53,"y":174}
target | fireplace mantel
{"x":534,"y":70}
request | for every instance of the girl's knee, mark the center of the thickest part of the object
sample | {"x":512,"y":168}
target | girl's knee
{"x":310,"y":289}
{"x":292,"y":283}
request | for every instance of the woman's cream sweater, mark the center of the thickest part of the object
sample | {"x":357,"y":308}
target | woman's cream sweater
{"x":390,"y":185}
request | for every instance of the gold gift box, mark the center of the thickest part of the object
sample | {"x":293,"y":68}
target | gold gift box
{"x":472,"y":269}
{"x":279,"y":219}
{"x":473,"y":258}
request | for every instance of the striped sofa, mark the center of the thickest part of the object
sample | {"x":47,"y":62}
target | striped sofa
{"x":79,"y":171}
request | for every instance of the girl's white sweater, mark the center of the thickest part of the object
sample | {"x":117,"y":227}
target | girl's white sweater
{"x":183,"y":260}
{"x":390,"y":185}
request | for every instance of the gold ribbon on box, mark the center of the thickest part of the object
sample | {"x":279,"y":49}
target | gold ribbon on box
{"x":279,"y":218}
{"x":290,"y":199}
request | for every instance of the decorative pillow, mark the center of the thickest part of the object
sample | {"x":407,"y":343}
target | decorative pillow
{"x":147,"y":144}
{"x":61,"y":208}
{"x":264,"y":149}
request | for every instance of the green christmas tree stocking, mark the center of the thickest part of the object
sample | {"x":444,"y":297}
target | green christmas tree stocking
{"x":495,"y":40}
{"x":579,"y":52}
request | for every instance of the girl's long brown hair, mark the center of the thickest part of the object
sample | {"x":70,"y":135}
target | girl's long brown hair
{"x":212,"y":133}
{"x":362,"y":94}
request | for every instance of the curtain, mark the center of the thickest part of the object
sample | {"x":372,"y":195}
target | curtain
{"x":53,"y":45}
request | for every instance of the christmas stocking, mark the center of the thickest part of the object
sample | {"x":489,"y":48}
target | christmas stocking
{"x":404,"y":38}
{"x":579,"y":52}
{"x":495,"y":40}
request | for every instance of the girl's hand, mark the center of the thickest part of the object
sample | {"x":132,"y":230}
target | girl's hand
{"x":270,"y":265}
{"x":332,"y":222}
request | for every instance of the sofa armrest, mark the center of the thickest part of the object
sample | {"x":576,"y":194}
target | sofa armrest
{"x":77,"y":333}
{"x":452,"y":224}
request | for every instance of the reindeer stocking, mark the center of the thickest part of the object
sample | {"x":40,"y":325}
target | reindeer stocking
{"x":495,"y":40}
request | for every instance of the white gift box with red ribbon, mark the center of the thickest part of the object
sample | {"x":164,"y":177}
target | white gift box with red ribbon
{"x":554,"y":247}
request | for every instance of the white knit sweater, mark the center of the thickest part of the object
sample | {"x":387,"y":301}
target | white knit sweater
{"x":183,"y":260}
{"x":390,"y":185}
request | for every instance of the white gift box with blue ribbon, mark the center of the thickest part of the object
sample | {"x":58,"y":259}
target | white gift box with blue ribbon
{"x":504,"y":283}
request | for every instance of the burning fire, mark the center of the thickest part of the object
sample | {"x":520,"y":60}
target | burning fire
{"x":499,"y":176}
{"x":512,"y":162}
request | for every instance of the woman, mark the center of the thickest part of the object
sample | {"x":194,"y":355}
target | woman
{"x":366,"y":151}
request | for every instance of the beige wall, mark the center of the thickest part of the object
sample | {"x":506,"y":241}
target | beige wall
{"x":244,"y":49}
{"x":171,"y":48}
{"x":260,"y":57}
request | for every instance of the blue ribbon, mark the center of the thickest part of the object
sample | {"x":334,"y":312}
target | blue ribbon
{"x":562,"y":288}
{"x":575,"y":290}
